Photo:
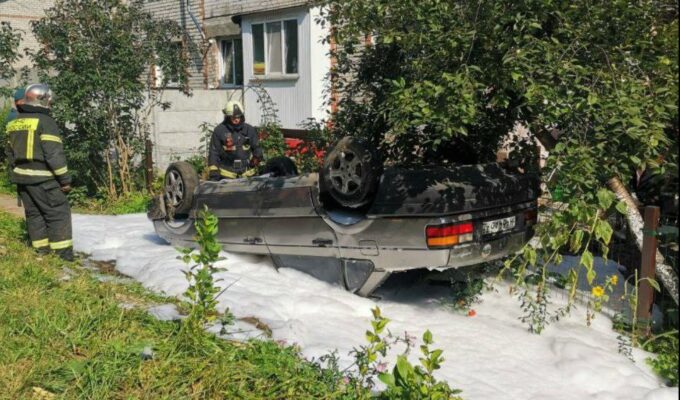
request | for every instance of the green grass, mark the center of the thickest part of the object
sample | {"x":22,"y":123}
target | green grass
{"x":72,"y":339}
{"x":6,"y":187}
{"x":136,"y":202}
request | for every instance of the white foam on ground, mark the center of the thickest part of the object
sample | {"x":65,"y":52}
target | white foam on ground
{"x":489,"y":356}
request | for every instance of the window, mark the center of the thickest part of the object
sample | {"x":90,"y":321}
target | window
{"x":231,"y":63}
{"x":275,"y":47}
{"x":162,"y":81}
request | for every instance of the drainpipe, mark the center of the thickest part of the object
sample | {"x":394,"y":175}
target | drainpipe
{"x":193,"y":18}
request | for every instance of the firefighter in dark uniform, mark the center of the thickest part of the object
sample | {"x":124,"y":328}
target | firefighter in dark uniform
{"x":38,"y":168}
{"x":235,"y":148}
{"x":18,"y":101}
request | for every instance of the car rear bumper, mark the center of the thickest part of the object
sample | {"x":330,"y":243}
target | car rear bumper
{"x":394,"y":260}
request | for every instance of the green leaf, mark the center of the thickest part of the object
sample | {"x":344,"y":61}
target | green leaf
{"x":530,"y":254}
{"x":575,"y":241}
{"x":590,"y":276}
{"x":436,"y":354}
{"x":592,"y":99}
{"x":603,"y":231}
{"x":427,"y":337}
{"x":587,"y":259}
{"x":605,"y":198}
{"x":404,"y":368}
{"x":653,"y":283}
{"x":621,"y":207}
{"x":387,"y":379}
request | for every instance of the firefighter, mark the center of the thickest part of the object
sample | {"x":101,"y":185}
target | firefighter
{"x":38,"y":168}
{"x":235,"y":150}
{"x":18,"y":101}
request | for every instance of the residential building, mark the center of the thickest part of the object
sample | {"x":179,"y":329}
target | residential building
{"x":246,"y":48}
{"x":19,"y":14}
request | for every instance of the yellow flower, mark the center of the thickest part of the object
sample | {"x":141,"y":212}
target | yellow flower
{"x":614,"y":280}
{"x":598,"y":291}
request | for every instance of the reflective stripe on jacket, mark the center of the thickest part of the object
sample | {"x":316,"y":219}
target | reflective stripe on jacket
{"x":230,"y":146}
{"x":35,"y":148}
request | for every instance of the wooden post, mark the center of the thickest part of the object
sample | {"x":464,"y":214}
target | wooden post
{"x":648,"y":265}
{"x":148,"y":163}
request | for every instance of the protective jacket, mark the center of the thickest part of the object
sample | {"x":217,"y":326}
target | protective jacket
{"x":232,"y":150}
{"x":35,"y":150}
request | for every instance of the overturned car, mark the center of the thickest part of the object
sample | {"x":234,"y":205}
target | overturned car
{"x":355,"y":222}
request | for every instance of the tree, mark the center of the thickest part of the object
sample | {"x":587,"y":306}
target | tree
{"x":100,"y":57}
{"x":9,"y":54}
{"x":602,"y":76}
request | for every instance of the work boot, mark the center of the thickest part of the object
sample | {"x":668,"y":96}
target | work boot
{"x":42,"y":251}
{"x":66,"y":254}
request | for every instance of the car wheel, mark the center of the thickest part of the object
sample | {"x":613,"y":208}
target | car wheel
{"x":350,"y":173}
{"x":181,"y":180}
{"x":280,"y":167}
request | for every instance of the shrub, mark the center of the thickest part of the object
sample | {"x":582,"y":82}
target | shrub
{"x":105,"y":48}
{"x":404,"y":381}
{"x":202,"y":293}
{"x":665,"y":346}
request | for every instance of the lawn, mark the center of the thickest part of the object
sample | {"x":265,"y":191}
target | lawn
{"x":64,"y":335}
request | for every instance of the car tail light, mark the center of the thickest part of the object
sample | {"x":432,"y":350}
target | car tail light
{"x":447,"y":235}
{"x":530,"y":217}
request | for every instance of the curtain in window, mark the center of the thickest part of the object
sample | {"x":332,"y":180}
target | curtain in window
{"x":274,"y":47}
{"x":228,"y":62}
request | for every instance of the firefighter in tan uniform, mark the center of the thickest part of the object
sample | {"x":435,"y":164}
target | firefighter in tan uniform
{"x":38,"y":168}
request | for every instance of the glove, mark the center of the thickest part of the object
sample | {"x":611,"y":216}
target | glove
{"x":214,"y":176}
{"x":66,"y":188}
{"x":254,"y":162}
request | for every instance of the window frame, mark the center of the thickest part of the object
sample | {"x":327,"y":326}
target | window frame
{"x":274,"y":75}
{"x":158,"y":72}
{"x":222,"y":69}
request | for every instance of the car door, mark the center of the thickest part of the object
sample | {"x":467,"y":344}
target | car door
{"x":291,"y":225}
{"x":237,"y":204}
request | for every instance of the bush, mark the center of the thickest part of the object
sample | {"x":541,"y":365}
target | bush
{"x":104,"y":48}
{"x":4,"y":113}
{"x":665,"y":347}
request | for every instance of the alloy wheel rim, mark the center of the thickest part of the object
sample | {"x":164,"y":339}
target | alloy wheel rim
{"x":174,"y":188}
{"x":345,"y":173}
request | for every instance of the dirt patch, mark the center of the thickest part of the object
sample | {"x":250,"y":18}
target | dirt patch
{"x":9,"y":204}
{"x":105,"y":267}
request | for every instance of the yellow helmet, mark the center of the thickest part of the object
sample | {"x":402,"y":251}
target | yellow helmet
{"x":233,"y":109}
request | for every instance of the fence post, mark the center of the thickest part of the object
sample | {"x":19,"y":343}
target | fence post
{"x":148,"y":164}
{"x":648,"y":264}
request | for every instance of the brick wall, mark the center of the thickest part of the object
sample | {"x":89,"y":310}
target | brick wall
{"x":236,"y":7}
{"x":20,"y":13}
{"x":200,"y":52}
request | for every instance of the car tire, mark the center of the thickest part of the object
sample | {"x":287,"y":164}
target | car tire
{"x":350,"y":173}
{"x":280,"y":167}
{"x":181,"y":180}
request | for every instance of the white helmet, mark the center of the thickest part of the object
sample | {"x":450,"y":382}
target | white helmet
{"x":38,"y":95}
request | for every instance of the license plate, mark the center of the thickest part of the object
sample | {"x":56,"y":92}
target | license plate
{"x":498,"y":225}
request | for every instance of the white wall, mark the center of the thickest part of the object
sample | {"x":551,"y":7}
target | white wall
{"x":320,"y":66}
{"x":293,"y":97}
{"x":175,"y":131}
